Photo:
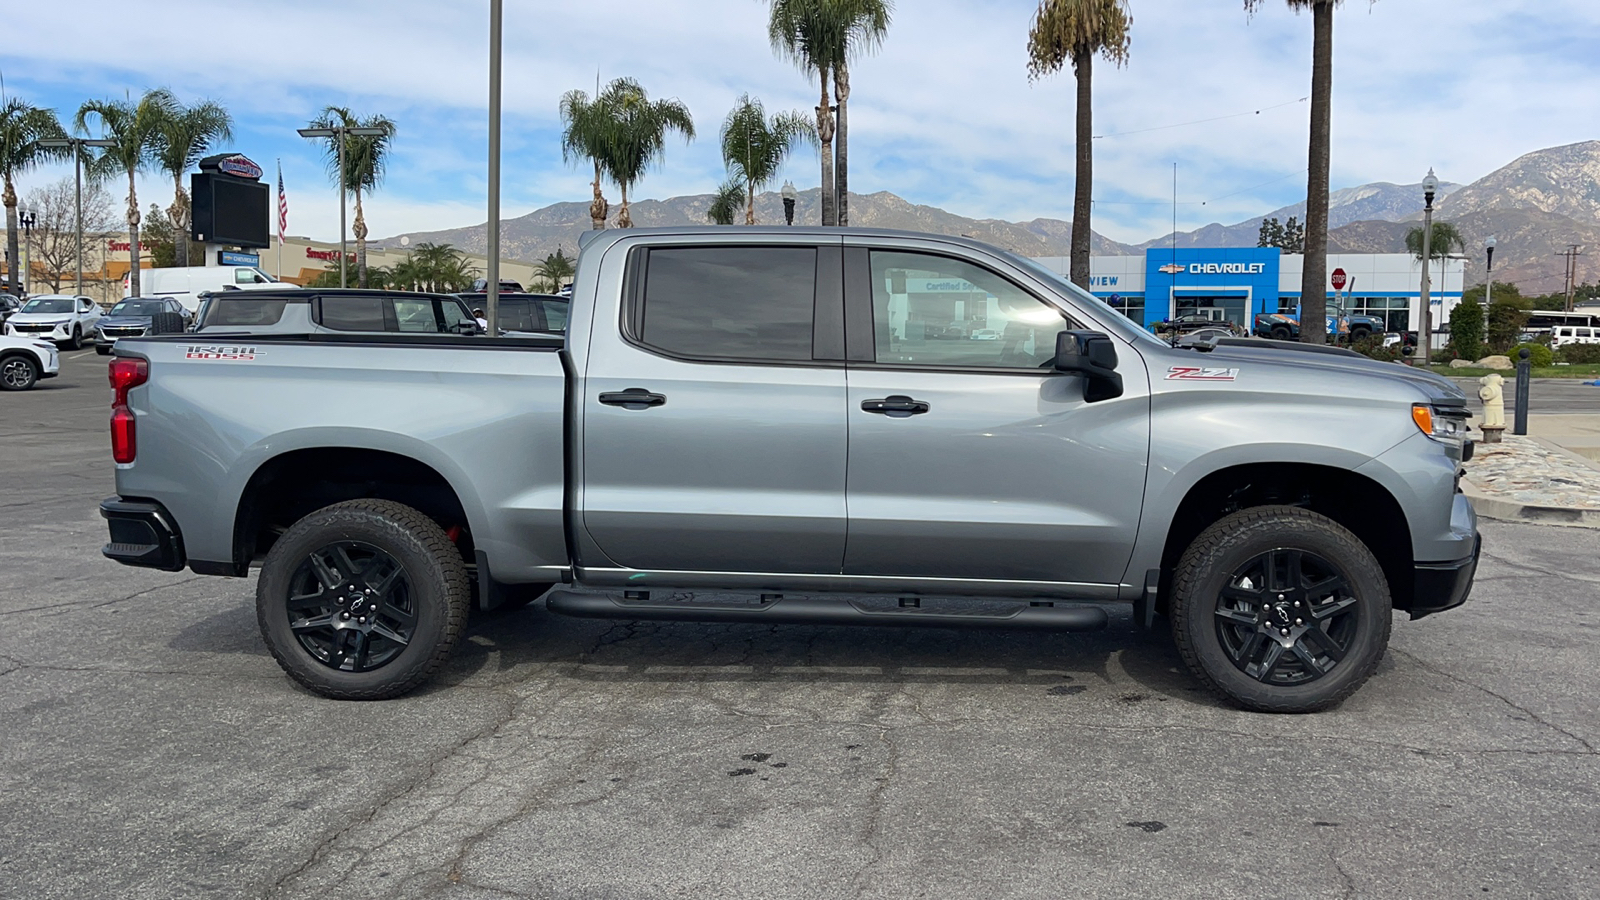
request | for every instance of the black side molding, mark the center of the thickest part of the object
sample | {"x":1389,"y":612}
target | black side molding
{"x":143,"y":534}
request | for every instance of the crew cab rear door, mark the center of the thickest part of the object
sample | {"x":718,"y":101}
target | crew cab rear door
{"x":713,"y":410}
{"x":971,"y":457}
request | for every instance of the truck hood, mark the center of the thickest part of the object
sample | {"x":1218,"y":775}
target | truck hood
{"x":1256,"y":352}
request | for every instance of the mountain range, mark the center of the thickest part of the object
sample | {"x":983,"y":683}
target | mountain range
{"x":1536,"y":206}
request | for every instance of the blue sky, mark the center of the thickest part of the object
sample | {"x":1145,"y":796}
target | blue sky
{"x":942,"y":115}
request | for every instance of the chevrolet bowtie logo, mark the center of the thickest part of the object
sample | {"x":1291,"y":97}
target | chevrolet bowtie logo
{"x":1172,"y":268}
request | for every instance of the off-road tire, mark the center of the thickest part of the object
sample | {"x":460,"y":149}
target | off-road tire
{"x":1208,"y":564}
{"x":1282,"y":334}
{"x":432,"y":564}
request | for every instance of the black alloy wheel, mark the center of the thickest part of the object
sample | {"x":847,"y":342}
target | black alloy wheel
{"x":18,"y":373}
{"x":350,"y":606}
{"x":1287,"y":617}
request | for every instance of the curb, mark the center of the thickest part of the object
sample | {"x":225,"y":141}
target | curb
{"x":1514,"y":511}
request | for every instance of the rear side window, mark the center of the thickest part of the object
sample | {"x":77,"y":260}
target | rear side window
{"x":517,"y":315}
{"x":230,"y":311}
{"x":354,"y":313}
{"x":555,"y":314}
{"x":731,"y":303}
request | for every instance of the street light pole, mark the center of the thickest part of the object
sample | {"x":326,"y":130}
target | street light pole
{"x":76,"y":145}
{"x":790,"y":195}
{"x":1488,"y":289}
{"x":27,"y":220}
{"x":492,"y":302}
{"x":1430,"y":185}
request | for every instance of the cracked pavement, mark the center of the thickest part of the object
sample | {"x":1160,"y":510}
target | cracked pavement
{"x":150,"y":747}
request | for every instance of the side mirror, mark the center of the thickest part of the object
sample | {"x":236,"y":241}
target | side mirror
{"x":1092,"y":355}
{"x":468,"y":328}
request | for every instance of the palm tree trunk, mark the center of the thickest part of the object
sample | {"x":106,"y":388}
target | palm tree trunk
{"x":624,"y":220}
{"x":825,"y":135}
{"x":11,"y":237}
{"x":133,"y":238}
{"x":1083,"y":188}
{"x":750,"y":202}
{"x":1314,"y":272}
{"x":361,"y":243}
{"x":841,"y":89}
{"x":598,"y":207}
{"x":180,"y":224}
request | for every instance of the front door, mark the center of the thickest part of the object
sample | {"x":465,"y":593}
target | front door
{"x":713,"y":426}
{"x":970,"y":456}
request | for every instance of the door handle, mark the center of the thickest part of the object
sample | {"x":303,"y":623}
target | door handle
{"x":898,"y":406}
{"x":633,"y":398}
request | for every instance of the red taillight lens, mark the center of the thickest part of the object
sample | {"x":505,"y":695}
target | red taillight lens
{"x":126,"y":373}
{"x":124,"y":442}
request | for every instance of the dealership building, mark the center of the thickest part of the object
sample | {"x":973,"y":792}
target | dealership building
{"x":1237,"y":284}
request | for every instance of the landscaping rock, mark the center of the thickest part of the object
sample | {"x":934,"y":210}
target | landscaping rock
{"x":1495,"y":362}
{"x":1462,"y":364}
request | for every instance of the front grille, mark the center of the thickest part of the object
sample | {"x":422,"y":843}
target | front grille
{"x":30,"y":328}
{"x":120,"y":331}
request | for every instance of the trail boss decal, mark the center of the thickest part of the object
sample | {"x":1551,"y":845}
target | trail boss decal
{"x":221,"y":353}
{"x":1201,"y":373}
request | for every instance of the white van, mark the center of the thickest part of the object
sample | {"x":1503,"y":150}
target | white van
{"x":1562,"y":335}
{"x":187,"y":284}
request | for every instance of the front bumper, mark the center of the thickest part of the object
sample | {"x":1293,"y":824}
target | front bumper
{"x":1444,"y":585}
{"x":143,"y":534}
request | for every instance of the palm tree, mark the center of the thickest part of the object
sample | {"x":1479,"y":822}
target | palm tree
{"x":587,"y":133}
{"x":638,"y":135}
{"x":1076,"y":31}
{"x":134,"y":129}
{"x":555,"y":269}
{"x":22,"y":127}
{"x":365,"y":159}
{"x":1314,"y":273}
{"x":1444,"y":240}
{"x":725,"y":203}
{"x":806,"y":33}
{"x":866,"y":22}
{"x":754,"y":148}
{"x":186,"y":135}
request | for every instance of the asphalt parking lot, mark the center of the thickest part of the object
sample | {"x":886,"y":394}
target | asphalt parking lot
{"x":150,"y":747}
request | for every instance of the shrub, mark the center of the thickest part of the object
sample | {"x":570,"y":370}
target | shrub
{"x":1373,"y":348}
{"x":1506,"y":321}
{"x":1541,"y":356}
{"x":1580,"y":354}
{"x":1466,"y":330}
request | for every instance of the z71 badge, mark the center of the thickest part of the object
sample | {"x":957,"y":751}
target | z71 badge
{"x":1201,"y":373}
{"x":238,"y":354}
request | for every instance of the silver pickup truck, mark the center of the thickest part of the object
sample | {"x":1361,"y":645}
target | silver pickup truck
{"x":802,"y":426}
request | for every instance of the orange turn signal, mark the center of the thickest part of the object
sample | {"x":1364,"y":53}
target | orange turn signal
{"x":1422,"y":414}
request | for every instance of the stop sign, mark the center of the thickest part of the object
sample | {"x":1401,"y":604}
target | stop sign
{"x":1339,"y":279}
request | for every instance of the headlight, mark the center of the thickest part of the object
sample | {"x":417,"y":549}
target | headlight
{"x":1446,"y":425}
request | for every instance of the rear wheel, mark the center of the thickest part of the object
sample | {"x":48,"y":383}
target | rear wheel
{"x":18,"y":373}
{"x":1281,"y":333}
{"x":363,"y":600}
{"x":1279,"y":609}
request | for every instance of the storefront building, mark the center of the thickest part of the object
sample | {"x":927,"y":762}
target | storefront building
{"x":1238,"y":283}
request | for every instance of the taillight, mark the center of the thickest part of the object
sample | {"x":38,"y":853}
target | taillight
{"x":126,"y":373}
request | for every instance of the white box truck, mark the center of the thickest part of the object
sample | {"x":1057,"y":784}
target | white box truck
{"x":186,"y":284}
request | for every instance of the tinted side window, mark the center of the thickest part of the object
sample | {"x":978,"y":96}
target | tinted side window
{"x":517,"y":315}
{"x":415,"y":314}
{"x":229,"y":311}
{"x":937,"y":311}
{"x":555,"y":314}
{"x":359,"y":313}
{"x":750,"y":303}
{"x":452,"y":313}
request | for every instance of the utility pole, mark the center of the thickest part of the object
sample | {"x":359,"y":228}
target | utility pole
{"x":1571,"y":253}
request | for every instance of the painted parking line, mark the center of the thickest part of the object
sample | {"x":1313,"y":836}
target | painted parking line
{"x":79,"y":355}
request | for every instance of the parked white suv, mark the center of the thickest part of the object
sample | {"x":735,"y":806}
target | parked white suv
{"x":23,"y":361}
{"x":1562,"y":335}
{"x":62,"y":318}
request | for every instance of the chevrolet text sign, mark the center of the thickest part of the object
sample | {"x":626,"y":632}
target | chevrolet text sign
{"x":1226,"y":268}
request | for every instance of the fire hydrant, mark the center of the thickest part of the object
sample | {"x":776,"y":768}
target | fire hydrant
{"x":1494,"y":407}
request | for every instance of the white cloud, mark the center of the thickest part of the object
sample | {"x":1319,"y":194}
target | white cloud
{"x":943,"y":115}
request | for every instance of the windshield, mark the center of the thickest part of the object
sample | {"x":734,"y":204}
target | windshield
{"x":136,"y":308}
{"x":48,"y":305}
{"x":1121,"y":324}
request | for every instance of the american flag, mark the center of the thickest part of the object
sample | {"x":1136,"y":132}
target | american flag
{"x":283,"y":206}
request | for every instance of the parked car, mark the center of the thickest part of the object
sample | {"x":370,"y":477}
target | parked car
{"x":507,"y":286}
{"x":333,"y":311}
{"x":526,"y":313}
{"x":1563,"y":335}
{"x":9,"y":304}
{"x":62,"y":318}
{"x":729,"y":404}
{"x":188,"y":283}
{"x":138,"y":316}
{"x":1342,"y":326}
{"x":25,"y":360}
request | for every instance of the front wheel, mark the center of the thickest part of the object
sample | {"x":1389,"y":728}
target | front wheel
{"x":77,"y":338}
{"x":363,"y":600}
{"x":1280,"y":609}
{"x":18,"y":373}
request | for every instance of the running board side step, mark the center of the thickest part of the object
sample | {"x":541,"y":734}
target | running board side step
{"x":1021,"y":615}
